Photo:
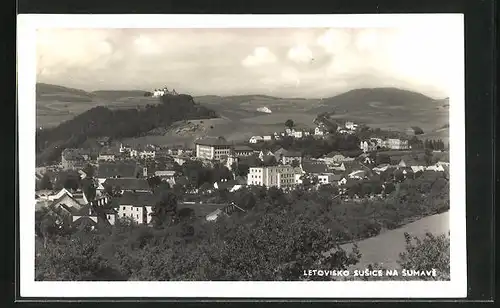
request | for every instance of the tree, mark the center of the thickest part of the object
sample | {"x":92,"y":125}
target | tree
{"x":45,"y":183}
{"x":389,"y":188}
{"x":165,"y":210}
{"x":428,"y":157}
{"x":154,"y":182}
{"x":89,"y":189}
{"x":89,"y":171}
{"x":289,"y":123}
{"x":431,"y":252}
{"x":295,"y":163}
{"x":68,"y":179}
{"x":240,"y":169}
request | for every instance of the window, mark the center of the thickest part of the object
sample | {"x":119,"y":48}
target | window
{"x":123,"y":214}
{"x":124,"y":208}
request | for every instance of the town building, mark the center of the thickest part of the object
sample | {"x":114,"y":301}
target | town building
{"x":328,"y":178}
{"x":267,"y":138}
{"x":289,"y":157}
{"x":256,"y":139}
{"x":106,"y":154}
{"x":320,"y":130}
{"x":212,"y":148}
{"x":396,"y":144}
{"x":133,"y":185}
{"x":271,"y":176}
{"x":147,"y":154}
{"x":368,"y":146}
{"x":351,"y":125}
{"x":137,"y":206}
{"x":242,"y":150}
{"x":74,"y":158}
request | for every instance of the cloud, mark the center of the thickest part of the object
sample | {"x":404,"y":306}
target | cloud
{"x":300,"y":54}
{"x":260,"y":56}
{"x":217,"y":61}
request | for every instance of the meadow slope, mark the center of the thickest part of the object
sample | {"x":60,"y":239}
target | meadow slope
{"x":387,"y":108}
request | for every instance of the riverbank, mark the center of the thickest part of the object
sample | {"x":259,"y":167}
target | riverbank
{"x":385,"y":248}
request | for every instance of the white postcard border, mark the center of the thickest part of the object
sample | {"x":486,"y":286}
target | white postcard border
{"x":27,"y":25}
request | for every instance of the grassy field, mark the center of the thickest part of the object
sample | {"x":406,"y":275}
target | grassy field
{"x":392,"y":109}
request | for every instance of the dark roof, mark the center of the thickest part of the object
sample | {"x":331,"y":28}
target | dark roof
{"x":336,"y":177}
{"x":106,"y":210}
{"x":138,"y":199}
{"x":74,"y":154}
{"x":212,"y":141}
{"x":242,"y":148}
{"x":251,"y":161}
{"x":107,"y":151}
{"x":314,"y":167}
{"x":128,"y":184}
{"x":84,"y":222}
{"x":85,"y":210}
{"x":292,"y":154}
{"x":124,"y":170}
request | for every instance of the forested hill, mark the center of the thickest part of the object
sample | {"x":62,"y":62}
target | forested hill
{"x":101,"y":121}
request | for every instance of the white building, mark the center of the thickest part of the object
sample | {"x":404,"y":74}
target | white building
{"x":271,"y":176}
{"x":396,"y":144}
{"x":137,"y":206}
{"x":298,"y":134}
{"x":320,"y":130}
{"x":147,"y":154}
{"x":212,"y":148}
{"x":351,"y":125}
{"x":368,"y":146}
{"x":328,"y":178}
{"x":267,"y":138}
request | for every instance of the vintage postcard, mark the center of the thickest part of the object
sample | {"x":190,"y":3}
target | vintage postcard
{"x":227,"y":156}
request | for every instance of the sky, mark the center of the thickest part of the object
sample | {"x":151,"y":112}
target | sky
{"x":286,"y":62}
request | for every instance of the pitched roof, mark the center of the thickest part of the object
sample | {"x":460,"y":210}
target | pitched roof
{"x":203,"y":209}
{"x":314,"y":167}
{"x":226,"y":184}
{"x":107,"y":151}
{"x":119,"y":169}
{"x":128,"y":184}
{"x":334,"y":153}
{"x":138,"y":199}
{"x":241,"y":180}
{"x":212,"y":141}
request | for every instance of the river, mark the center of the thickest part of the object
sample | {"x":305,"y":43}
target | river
{"x":384,"y":248}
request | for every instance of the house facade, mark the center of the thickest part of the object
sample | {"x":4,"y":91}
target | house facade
{"x":368,"y":146}
{"x":137,"y":206}
{"x":396,"y":144}
{"x":288,"y":157}
{"x":212,"y":148}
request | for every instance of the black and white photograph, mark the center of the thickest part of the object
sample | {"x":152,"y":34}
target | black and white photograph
{"x":226,"y":155}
